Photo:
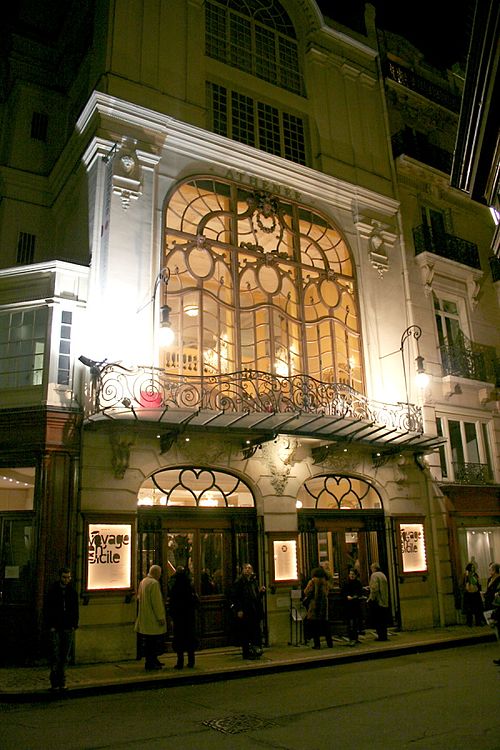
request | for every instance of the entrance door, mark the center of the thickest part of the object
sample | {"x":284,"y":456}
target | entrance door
{"x":207,"y":554}
{"x":213,"y":544}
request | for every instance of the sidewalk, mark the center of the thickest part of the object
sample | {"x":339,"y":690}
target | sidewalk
{"x":31,"y":683}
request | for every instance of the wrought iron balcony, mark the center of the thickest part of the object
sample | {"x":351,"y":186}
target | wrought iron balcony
{"x":469,"y":473}
{"x":421,"y":85}
{"x":418,"y":147}
{"x":466,"y":359}
{"x":446,"y":246}
{"x":252,"y":401}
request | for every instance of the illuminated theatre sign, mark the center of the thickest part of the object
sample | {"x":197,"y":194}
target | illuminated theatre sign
{"x":109,"y":556}
{"x":412,"y":547}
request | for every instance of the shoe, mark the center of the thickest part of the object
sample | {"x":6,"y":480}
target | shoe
{"x":191,"y":666}
{"x":497,"y":662}
{"x":381,"y":639}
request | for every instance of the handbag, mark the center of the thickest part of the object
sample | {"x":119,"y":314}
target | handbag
{"x":471,"y":588}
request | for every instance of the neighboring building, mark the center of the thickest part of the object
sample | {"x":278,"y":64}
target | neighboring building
{"x":241,"y":176}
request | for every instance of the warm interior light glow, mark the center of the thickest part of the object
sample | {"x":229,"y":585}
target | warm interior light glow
{"x":191,"y":310}
{"x":166,"y":336}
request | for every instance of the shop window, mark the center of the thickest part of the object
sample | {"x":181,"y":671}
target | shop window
{"x":17,"y":487}
{"x":246,"y":120}
{"x":258,"y":283}
{"x":480,"y":545}
{"x":256,"y":36}
{"x":466,"y":456}
{"x":16,"y":558}
{"x":22,"y":347}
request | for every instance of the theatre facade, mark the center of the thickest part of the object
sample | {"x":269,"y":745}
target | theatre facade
{"x":211,"y":324}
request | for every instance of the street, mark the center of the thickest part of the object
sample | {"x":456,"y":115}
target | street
{"x":446,"y":700}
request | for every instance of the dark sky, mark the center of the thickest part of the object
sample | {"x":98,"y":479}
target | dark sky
{"x":439,"y":28}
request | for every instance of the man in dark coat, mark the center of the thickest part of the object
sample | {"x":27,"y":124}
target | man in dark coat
{"x":183,"y":603}
{"x":247,"y":605}
{"x":61,"y":611}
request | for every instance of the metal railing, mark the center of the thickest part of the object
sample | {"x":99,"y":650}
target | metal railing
{"x":419,"y":148}
{"x":466,"y":359}
{"x":421,"y":85}
{"x":472,"y":473}
{"x":115,"y":387}
{"x":446,"y":246}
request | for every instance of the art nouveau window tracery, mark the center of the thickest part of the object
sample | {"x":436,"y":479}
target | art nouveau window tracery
{"x":258,"y":283}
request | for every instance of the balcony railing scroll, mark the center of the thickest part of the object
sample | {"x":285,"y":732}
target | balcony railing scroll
{"x":446,"y":246}
{"x":472,"y":473}
{"x":466,"y":359}
{"x":246,"y":392}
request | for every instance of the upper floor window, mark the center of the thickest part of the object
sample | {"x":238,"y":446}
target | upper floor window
{"x":258,"y":283}
{"x":22,"y":347}
{"x":255,"y":123}
{"x":39,"y":126}
{"x":466,"y":456}
{"x":26,"y":243}
{"x":256,"y":36}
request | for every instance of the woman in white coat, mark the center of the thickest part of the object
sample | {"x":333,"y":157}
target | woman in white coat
{"x":151,"y":619}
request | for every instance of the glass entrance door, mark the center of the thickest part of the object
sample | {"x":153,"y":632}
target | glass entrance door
{"x":207,"y":554}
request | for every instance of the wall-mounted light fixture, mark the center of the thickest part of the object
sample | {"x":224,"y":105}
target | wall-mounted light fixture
{"x":167,"y":335}
{"x":421,"y":378}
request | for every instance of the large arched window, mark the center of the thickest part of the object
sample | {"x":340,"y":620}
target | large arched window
{"x":258,"y":283}
{"x":256,"y":36}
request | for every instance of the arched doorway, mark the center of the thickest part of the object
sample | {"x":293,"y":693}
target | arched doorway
{"x":203,"y":520}
{"x":341,"y":526}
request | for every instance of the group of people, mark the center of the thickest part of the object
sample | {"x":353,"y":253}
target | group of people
{"x":315,"y":601}
{"x":62,"y":612}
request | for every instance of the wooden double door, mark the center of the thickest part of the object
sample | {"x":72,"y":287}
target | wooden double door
{"x":213,"y":546}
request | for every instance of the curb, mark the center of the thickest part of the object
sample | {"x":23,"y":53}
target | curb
{"x":193,"y":678}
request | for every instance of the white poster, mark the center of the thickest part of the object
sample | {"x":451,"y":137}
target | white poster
{"x":413,"y":547}
{"x":109,"y":561}
{"x":285,"y":560}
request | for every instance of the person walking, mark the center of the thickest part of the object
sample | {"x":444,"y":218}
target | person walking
{"x":247,"y":598}
{"x":352,"y":592}
{"x":151,"y":622}
{"x":378,"y":601}
{"x":316,"y":598}
{"x":183,"y":603}
{"x":62,"y":614}
{"x":472,"y":600}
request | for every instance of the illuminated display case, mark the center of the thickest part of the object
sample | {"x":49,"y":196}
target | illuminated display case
{"x":109,"y":554}
{"x":411,"y":545}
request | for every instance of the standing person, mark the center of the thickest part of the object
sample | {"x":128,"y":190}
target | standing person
{"x":62,"y":613}
{"x":492,"y":585}
{"x":352,"y":592}
{"x":316,"y":596}
{"x":247,"y":605}
{"x":472,"y":601}
{"x":183,"y":603}
{"x":151,"y":619}
{"x":378,"y":601}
